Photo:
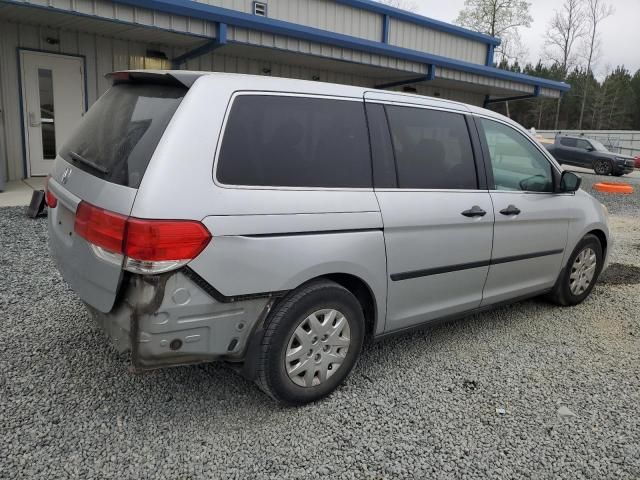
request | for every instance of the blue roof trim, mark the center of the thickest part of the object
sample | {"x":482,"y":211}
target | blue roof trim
{"x":406,"y":16}
{"x":203,"y":11}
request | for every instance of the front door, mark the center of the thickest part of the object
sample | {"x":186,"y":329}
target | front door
{"x":531,"y":221}
{"x":438,"y":222}
{"x":52,"y":105}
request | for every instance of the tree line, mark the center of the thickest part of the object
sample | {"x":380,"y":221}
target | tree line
{"x":572,"y":47}
{"x":611,"y":104}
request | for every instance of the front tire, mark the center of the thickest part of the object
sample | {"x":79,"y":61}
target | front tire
{"x":602,"y":167}
{"x":312,"y":341}
{"x":579,"y":276}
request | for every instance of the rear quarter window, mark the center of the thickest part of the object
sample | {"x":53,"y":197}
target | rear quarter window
{"x":283,"y":141}
{"x":568,"y":142}
{"x":117,"y":137}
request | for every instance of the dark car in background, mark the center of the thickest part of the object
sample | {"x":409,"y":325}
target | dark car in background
{"x":589,"y":153}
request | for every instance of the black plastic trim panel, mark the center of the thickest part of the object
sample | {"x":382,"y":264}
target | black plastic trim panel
{"x":220,"y":297}
{"x":314,"y":232}
{"x":466,"y":266}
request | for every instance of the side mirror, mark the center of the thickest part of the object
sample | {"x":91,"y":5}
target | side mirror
{"x":569,"y":182}
{"x":536,"y":183}
{"x":590,"y":149}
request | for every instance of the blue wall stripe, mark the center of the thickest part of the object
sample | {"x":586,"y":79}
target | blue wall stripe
{"x":490,"y":53}
{"x":419,"y":20}
{"x":385,"y":28}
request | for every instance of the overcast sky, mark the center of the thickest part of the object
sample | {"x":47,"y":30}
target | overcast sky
{"x":620,"y":33}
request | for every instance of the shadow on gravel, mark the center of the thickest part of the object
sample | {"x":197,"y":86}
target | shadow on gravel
{"x":621,"y":274}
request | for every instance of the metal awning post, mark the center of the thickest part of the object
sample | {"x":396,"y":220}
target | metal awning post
{"x":216,"y":43}
{"x":431,"y":75}
{"x":488,"y":100}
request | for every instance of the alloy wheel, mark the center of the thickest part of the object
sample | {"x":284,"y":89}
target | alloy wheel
{"x":602,"y":167}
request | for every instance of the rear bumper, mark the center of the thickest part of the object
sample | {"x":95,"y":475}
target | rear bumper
{"x":168,"y":320}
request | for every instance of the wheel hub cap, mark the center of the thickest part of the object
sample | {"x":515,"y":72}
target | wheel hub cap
{"x":317,"y":347}
{"x":582,"y":271}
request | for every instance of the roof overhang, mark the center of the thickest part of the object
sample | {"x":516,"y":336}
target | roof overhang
{"x":223,"y":16}
{"x":278,"y":27}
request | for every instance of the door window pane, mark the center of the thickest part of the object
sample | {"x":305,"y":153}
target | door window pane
{"x":568,"y":142}
{"x":47,"y":117}
{"x":516,"y":163}
{"x":295,"y":142}
{"x":583,"y":144}
{"x":432,"y":149}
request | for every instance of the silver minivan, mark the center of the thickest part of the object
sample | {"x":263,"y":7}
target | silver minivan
{"x":275,"y":223}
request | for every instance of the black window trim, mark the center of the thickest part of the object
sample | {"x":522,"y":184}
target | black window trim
{"x":481,"y":175}
{"x":271,"y":93}
{"x":556,"y":171}
{"x":382,"y":177}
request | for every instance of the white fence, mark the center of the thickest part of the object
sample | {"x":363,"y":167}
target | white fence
{"x":625,"y":142}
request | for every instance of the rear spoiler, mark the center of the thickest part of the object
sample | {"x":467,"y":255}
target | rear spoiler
{"x":168,"y":77}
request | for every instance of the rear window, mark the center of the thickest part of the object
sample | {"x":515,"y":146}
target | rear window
{"x":120,"y":132}
{"x":285,"y":141}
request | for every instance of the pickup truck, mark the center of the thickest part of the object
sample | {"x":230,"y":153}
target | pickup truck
{"x":588,"y":153}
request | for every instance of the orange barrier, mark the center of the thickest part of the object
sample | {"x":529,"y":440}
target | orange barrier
{"x":620,"y":188}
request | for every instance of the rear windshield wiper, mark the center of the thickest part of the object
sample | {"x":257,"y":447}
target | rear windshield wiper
{"x":94,"y":165}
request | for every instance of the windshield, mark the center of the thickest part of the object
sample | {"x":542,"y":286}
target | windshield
{"x":118,"y":135}
{"x":598,"y":146}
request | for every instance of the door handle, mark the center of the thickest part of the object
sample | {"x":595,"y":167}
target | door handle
{"x":33,"y":122}
{"x":510,"y":210}
{"x":474,"y":211}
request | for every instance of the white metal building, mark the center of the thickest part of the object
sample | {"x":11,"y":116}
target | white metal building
{"x":54,"y":55}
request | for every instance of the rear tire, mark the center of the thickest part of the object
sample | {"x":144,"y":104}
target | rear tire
{"x":602,"y":167}
{"x":312,"y":341}
{"x":580,"y":274}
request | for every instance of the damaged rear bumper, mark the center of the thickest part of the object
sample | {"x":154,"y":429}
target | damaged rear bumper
{"x":169,"y":320}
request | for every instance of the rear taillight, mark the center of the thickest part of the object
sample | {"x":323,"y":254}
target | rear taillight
{"x":49,"y":198}
{"x":159,"y":240}
{"x":148,"y":246}
{"x":101,"y":228}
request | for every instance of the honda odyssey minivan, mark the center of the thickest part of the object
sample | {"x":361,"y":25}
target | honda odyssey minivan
{"x":275,"y":223}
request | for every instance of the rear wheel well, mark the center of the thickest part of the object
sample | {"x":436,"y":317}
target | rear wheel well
{"x":362,"y":292}
{"x":603,"y":239}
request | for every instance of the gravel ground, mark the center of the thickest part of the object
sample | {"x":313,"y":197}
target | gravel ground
{"x":422,"y":405}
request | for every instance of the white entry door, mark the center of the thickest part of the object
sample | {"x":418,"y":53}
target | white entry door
{"x":53,"y":102}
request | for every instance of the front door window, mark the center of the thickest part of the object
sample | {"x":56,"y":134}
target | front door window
{"x":516,"y":163}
